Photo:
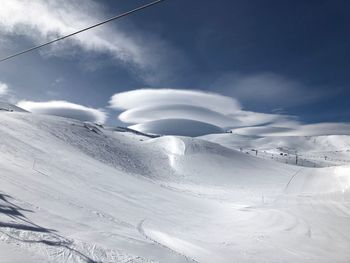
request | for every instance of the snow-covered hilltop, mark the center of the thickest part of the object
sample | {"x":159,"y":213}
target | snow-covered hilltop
{"x":311,"y":151}
{"x":77,"y":192}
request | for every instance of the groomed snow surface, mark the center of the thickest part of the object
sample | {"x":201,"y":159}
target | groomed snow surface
{"x":77,"y":192}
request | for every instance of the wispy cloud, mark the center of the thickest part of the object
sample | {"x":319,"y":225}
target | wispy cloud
{"x":296,"y":129}
{"x":7,"y":94}
{"x":267,"y":88}
{"x":3,"y":89}
{"x":43,"y":20}
{"x":64,"y":109}
{"x":327,"y":128}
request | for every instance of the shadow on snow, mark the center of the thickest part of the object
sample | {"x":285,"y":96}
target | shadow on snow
{"x":15,"y":212}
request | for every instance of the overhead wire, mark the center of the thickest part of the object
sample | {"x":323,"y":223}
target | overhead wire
{"x":82,"y":30}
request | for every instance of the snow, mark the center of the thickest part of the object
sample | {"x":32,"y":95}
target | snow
{"x":77,"y":192}
{"x":312,"y":151}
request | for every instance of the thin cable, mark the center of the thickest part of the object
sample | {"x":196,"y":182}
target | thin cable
{"x":82,"y":30}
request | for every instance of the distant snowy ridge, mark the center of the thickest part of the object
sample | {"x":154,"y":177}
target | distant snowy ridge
{"x":295,"y":143}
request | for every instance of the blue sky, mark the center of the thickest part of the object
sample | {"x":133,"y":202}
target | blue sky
{"x":286,"y":57}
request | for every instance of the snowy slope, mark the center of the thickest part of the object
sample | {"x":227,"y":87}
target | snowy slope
{"x":76,"y":192}
{"x":318,"y":151}
{"x":300,"y":143}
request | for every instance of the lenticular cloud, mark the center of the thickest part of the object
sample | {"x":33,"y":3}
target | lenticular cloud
{"x":155,"y":97}
{"x":176,"y":111}
{"x":64,"y":109}
{"x":180,"y":127}
{"x":180,"y":112}
{"x":196,"y":113}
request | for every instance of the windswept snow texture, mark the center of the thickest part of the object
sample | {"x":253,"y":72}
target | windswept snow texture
{"x":76,"y":192}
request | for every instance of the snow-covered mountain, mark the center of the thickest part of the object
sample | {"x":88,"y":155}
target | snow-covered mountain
{"x":314,"y":151}
{"x":77,"y":192}
{"x":298,"y":143}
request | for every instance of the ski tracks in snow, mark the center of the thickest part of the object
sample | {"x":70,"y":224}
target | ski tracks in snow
{"x":19,"y":231}
{"x":141,"y":230}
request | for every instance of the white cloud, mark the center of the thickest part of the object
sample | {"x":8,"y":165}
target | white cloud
{"x":327,"y":128}
{"x":296,"y":129}
{"x":250,"y":118}
{"x":235,"y":118}
{"x":266,"y":130}
{"x":176,"y":111}
{"x":169,"y":111}
{"x":154,"y":107}
{"x":43,"y":20}
{"x":64,"y":109}
{"x":158,"y":97}
{"x":3,"y":89}
{"x":180,"y":127}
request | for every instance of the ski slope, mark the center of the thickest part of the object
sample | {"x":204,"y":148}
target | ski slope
{"x":311,"y":151}
{"x":78,"y":192}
